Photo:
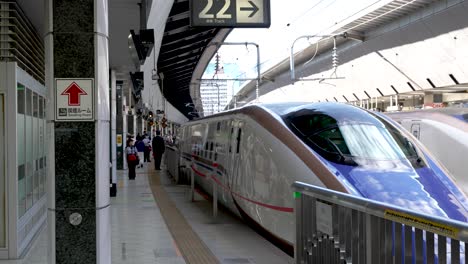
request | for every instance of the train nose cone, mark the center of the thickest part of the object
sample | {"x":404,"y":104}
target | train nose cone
{"x":420,"y":190}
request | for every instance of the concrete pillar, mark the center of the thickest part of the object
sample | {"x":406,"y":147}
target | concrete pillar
{"x":124,"y":130}
{"x":121,"y":120}
{"x":113,"y":137}
{"x":76,"y":44}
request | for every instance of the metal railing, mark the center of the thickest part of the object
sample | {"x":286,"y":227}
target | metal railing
{"x":172,"y":158}
{"x":333,"y":227}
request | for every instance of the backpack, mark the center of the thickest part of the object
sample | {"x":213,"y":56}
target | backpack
{"x":132,"y":157}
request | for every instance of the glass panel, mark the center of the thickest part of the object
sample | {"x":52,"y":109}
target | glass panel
{"x":44,"y":177}
{"x":2,"y":175}
{"x":29,"y":149}
{"x":21,"y":191}
{"x":28,"y":102}
{"x":20,"y":138}
{"x":41,"y":107}
{"x":35,"y":105}
{"x":41,"y":176}
{"x":40,"y":137}
{"x":20,"y":94}
{"x":29,"y":184}
{"x":36,"y":180}
{"x":35,"y":161}
{"x":20,"y":123}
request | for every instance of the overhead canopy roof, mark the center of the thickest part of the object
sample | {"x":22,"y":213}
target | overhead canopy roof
{"x":181,"y":49}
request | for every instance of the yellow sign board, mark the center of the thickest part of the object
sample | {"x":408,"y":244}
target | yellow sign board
{"x":119,"y":140}
{"x":421,"y":223}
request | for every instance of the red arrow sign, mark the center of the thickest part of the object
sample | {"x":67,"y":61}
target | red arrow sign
{"x":74,"y":91}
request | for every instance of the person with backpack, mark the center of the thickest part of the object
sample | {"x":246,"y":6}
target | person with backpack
{"x":140,"y":146}
{"x":132,"y":159}
{"x":148,"y":148}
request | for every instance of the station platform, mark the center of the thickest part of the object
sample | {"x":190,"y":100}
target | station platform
{"x":153,"y":221}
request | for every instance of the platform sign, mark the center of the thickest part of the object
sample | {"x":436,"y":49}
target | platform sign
{"x":230,"y":13}
{"x":74,"y":99}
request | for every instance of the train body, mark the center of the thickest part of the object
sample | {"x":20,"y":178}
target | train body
{"x":444,"y":132}
{"x":255,"y":153}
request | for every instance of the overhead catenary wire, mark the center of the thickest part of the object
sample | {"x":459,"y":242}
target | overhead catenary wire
{"x":305,"y":12}
{"x":343,"y":32}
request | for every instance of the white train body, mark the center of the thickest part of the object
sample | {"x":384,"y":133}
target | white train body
{"x":254,"y":154}
{"x":444,"y":132}
{"x":258,"y":174}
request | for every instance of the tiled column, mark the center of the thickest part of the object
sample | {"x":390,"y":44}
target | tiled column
{"x":78,"y":177}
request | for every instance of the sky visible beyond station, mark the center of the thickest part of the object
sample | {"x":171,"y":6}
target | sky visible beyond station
{"x":290,"y":19}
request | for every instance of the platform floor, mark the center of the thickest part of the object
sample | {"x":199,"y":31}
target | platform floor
{"x":140,"y":234}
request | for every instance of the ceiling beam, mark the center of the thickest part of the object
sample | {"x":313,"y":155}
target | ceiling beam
{"x":190,"y":34}
{"x":183,"y":58}
{"x":168,"y":57}
{"x":177,"y":64}
{"x":180,"y":51}
{"x":185,"y":65}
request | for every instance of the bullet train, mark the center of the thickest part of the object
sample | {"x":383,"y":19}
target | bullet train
{"x":254,"y":154}
{"x":444,"y":131}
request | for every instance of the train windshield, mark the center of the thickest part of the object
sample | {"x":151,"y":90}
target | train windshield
{"x":342,"y":142}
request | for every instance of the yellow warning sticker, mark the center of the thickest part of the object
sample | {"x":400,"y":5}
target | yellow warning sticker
{"x":119,"y":140}
{"x":421,"y":223}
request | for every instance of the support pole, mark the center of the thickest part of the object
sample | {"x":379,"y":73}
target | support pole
{"x":192,"y":182}
{"x":215,"y":191}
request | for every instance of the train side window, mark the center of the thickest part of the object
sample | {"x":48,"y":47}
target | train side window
{"x":230,"y":143}
{"x":211,"y":150}
{"x":465,"y":117}
{"x":310,"y":124}
{"x":238,"y":139}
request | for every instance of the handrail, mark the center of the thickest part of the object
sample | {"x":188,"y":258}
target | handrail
{"x":332,"y":227}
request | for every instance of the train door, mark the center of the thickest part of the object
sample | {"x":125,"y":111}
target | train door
{"x":236,"y":156}
{"x":416,"y":130}
{"x":230,"y":153}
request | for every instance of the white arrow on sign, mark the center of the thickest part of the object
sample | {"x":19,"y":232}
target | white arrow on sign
{"x":249,"y":11}
{"x":253,"y":8}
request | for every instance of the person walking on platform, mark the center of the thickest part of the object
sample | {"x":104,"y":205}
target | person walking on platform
{"x":140,"y":145}
{"x":147,"y":142}
{"x":132,"y":159}
{"x":158,"y":149}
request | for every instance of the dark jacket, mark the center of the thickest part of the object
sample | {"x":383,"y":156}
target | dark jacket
{"x":140,"y":145}
{"x":158,"y":145}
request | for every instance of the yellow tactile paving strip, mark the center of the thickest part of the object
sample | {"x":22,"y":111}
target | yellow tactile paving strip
{"x":192,"y":248}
